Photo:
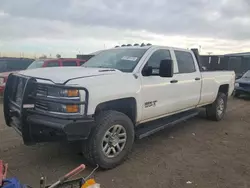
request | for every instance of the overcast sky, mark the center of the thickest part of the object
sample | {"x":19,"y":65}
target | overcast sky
{"x":36,"y":27}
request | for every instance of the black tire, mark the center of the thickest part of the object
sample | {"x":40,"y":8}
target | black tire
{"x":212,"y":110}
{"x":92,"y":148}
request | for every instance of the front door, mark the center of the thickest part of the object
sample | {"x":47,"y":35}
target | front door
{"x":158,"y":94}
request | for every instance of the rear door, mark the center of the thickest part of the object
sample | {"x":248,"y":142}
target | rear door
{"x":188,"y":80}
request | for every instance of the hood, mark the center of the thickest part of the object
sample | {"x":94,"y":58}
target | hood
{"x":62,"y":74}
{"x":243,"y":80}
{"x":6,"y":74}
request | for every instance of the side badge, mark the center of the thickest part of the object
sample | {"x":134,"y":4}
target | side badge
{"x":150,"y":104}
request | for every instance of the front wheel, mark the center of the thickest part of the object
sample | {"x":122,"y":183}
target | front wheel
{"x":111,"y":140}
{"x":217,"y":109}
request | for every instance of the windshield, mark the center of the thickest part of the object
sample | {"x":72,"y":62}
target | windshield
{"x":247,"y":74}
{"x":36,"y":64}
{"x":123,"y":59}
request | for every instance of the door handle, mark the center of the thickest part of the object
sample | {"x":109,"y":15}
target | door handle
{"x":173,"y":81}
{"x":197,"y":79}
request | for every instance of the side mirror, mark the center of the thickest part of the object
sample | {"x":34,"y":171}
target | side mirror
{"x":166,"y":68}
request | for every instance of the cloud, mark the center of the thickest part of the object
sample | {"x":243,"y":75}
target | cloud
{"x":99,"y":22}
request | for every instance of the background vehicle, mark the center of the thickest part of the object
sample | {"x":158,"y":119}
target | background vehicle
{"x":14,"y":64}
{"x":40,"y":64}
{"x":242,"y":85}
{"x":9,"y":65}
{"x":62,"y":62}
{"x":119,"y":95}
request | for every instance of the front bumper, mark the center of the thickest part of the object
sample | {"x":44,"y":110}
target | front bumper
{"x":38,"y":128}
{"x":35,"y":126}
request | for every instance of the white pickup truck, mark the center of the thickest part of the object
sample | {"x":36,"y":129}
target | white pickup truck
{"x":119,"y":95}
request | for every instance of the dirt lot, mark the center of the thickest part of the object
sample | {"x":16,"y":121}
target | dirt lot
{"x":208,"y":154}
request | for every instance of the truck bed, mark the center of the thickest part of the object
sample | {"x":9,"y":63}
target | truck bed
{"x":211,"y":81}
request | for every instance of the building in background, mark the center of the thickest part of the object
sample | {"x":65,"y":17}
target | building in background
{"x":238,"y":62}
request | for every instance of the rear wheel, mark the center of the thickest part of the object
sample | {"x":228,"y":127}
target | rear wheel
{"x":217,"y":109}
{"x":111,"y":140}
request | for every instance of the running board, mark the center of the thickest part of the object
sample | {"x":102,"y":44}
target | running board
{"x":152,"y":127}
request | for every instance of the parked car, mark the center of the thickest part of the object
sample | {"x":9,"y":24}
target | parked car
{"x":62,"y":62}
{"x":10,"y":65}
{"x":238,"y":75}
{"x":3,"y":80}
{"x":41,"y":63}
{"x":118,"y":95}
{"x":242,"y":85}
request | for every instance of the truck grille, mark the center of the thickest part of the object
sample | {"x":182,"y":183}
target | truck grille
{"x":43,"y":106}
{"x":26,"y":96}
{"x":41,"y":90}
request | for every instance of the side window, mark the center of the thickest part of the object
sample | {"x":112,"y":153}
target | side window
{"x":156,"y":58}
{"x":69,"y":63}
{"x":185,"y":62}
{"x":53,"y":64}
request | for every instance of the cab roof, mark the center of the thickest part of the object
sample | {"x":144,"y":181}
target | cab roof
{"x":151,"y":46}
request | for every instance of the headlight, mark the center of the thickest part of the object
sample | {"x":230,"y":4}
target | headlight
{"x":236,"y":85}
{"x":70,"y":93}
{"x":63,"y":94}
{"x":58,"y":92}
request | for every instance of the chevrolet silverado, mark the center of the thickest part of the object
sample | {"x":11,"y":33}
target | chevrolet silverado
{"x":120,"y":94}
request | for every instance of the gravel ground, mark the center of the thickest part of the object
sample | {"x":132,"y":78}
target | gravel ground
{"x":195,"y":153}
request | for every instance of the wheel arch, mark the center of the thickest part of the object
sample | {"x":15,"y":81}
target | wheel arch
{"x":124,"y":105}
{"x":224,"y":88}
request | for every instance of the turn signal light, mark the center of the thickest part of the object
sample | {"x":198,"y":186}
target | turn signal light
{"x":72,"y":108}
{"x":73,"y":93}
